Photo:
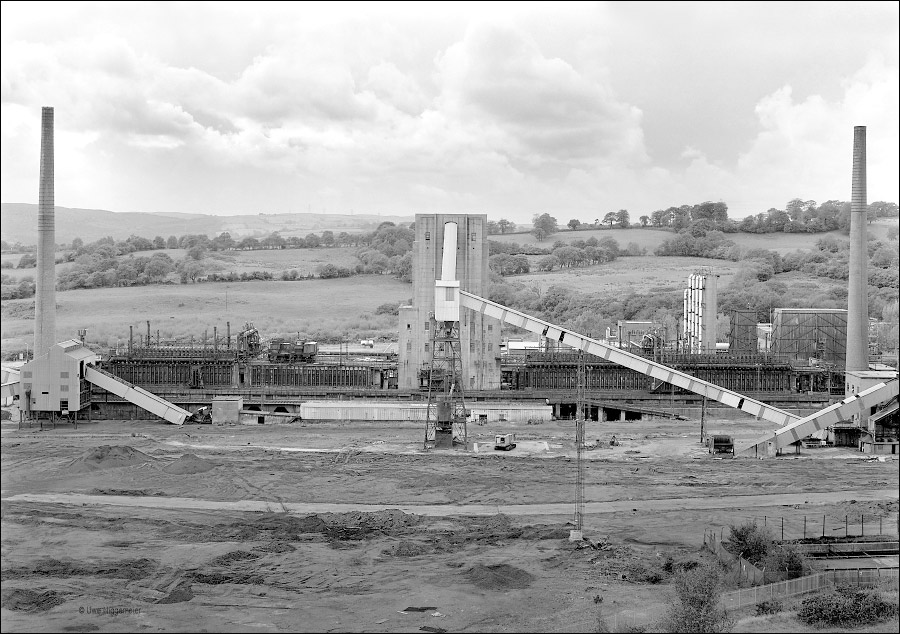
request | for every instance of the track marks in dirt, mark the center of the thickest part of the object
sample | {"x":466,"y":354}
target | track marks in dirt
{"x":30,"y":599}
{"x":129,"y":569}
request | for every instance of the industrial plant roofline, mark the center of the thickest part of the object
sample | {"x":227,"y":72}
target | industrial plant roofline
{"x":635,"y":362}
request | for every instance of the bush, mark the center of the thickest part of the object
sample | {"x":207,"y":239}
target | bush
{"x":388,"y":308}
{"x":773,"y":606}
{"x":785,"y":560}
{"x":847,"y":607}
{"x":695,"y":606}
{"x":750,"y":541}
{"x":640,"y":573}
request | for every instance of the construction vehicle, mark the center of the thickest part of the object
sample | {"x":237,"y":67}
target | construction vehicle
{"x":720,"y":444}
{"x":504,"y":442}
{"x":283,"y":351}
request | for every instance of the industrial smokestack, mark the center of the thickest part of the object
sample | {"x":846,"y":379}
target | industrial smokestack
{"x":45,"y":287}
{"x":857,"y":296}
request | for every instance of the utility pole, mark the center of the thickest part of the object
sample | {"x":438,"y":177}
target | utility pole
{"x":703,"y":421}
{"x":578,"y":532}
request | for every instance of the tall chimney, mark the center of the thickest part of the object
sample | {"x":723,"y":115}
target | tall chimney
{"x":857,"y":296}
{"x":45,"y":286}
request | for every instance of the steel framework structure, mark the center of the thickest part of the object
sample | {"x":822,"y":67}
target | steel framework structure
{"x":742,"y":337}
{"x":446,"y":411}
{"x":801,"y":334}
{"x":579,"y":445}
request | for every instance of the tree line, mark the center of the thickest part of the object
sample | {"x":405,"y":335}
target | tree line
{"x":798,"y":216}
{"x":755,"y":286}
{"x":108,"y":263}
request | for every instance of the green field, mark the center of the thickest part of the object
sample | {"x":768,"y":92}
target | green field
{"x":305,"y":261}
{"x":317,"y":309}
{"x":641,"y":274}
{"x":652,"y":238}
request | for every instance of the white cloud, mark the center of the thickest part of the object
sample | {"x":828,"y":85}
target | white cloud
{"x":378,"y":107}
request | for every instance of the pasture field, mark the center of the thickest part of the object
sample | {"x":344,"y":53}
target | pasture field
{"x":638,"y":274}
{"x":274,"y":261}
{"x":304,"y":261}
{"x":318,"y":309}
{"x":648,"y":274}
{"x":651,"y":238}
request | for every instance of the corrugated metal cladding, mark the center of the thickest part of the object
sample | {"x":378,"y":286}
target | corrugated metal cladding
{"x":381,"y":411}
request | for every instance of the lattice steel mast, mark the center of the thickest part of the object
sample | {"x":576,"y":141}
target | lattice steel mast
{"x":579,"y":447}
{"x":446,"y":413}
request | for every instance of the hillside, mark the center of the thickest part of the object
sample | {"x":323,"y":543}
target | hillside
{"x":651,"y":238}
{"x":19,"y":224}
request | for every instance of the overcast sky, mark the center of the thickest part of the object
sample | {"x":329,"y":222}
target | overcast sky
{"x":508,"y":109}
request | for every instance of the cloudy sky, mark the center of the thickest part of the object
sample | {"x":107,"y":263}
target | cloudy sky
{"x":509,"y":109}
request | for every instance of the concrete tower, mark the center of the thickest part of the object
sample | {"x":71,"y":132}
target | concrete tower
{"x":479,"y":335}
{"x":45,"y":286}
{"x":857,"y":297}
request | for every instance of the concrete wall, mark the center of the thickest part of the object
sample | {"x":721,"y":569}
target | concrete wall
{"x":479,"y":336}
{"x":382,"y":411}
{"x":226,"y":410}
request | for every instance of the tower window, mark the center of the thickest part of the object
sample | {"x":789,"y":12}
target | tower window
{"x":428,"y":235}
{"x":473,"y":237}
{"x":426,"y":326}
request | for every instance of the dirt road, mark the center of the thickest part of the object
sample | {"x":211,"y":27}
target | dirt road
{"x":433,"y":510}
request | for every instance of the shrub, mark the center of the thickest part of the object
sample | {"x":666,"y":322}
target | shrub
{"x":750,"y":541}
{"x":847,"y":606}
{"x":640,"y":573}
{"x":786,"y":559}
{"x":772,"y":606}
{"x":695,"y":606}
{"x":388,"y":308}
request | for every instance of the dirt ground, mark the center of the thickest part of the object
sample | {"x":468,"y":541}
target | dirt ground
{"x":351,"y":527}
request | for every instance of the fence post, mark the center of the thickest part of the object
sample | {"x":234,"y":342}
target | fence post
{"x":845,"y":528}
{"x":782,"y":528}
{"x":880,"y":524}
{"x":863,"y":518}
{"x":823,"y":526}
{"x":804,"y":527}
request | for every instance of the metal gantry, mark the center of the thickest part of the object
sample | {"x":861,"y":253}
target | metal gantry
{"x":446,"y":410}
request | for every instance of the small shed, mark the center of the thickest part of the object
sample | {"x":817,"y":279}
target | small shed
{"x":226,"y":410}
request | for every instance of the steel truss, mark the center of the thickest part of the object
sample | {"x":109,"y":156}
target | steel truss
{"x":446,"y":412}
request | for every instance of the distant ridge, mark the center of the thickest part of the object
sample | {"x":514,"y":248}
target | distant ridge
{"x":19,"y":224}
